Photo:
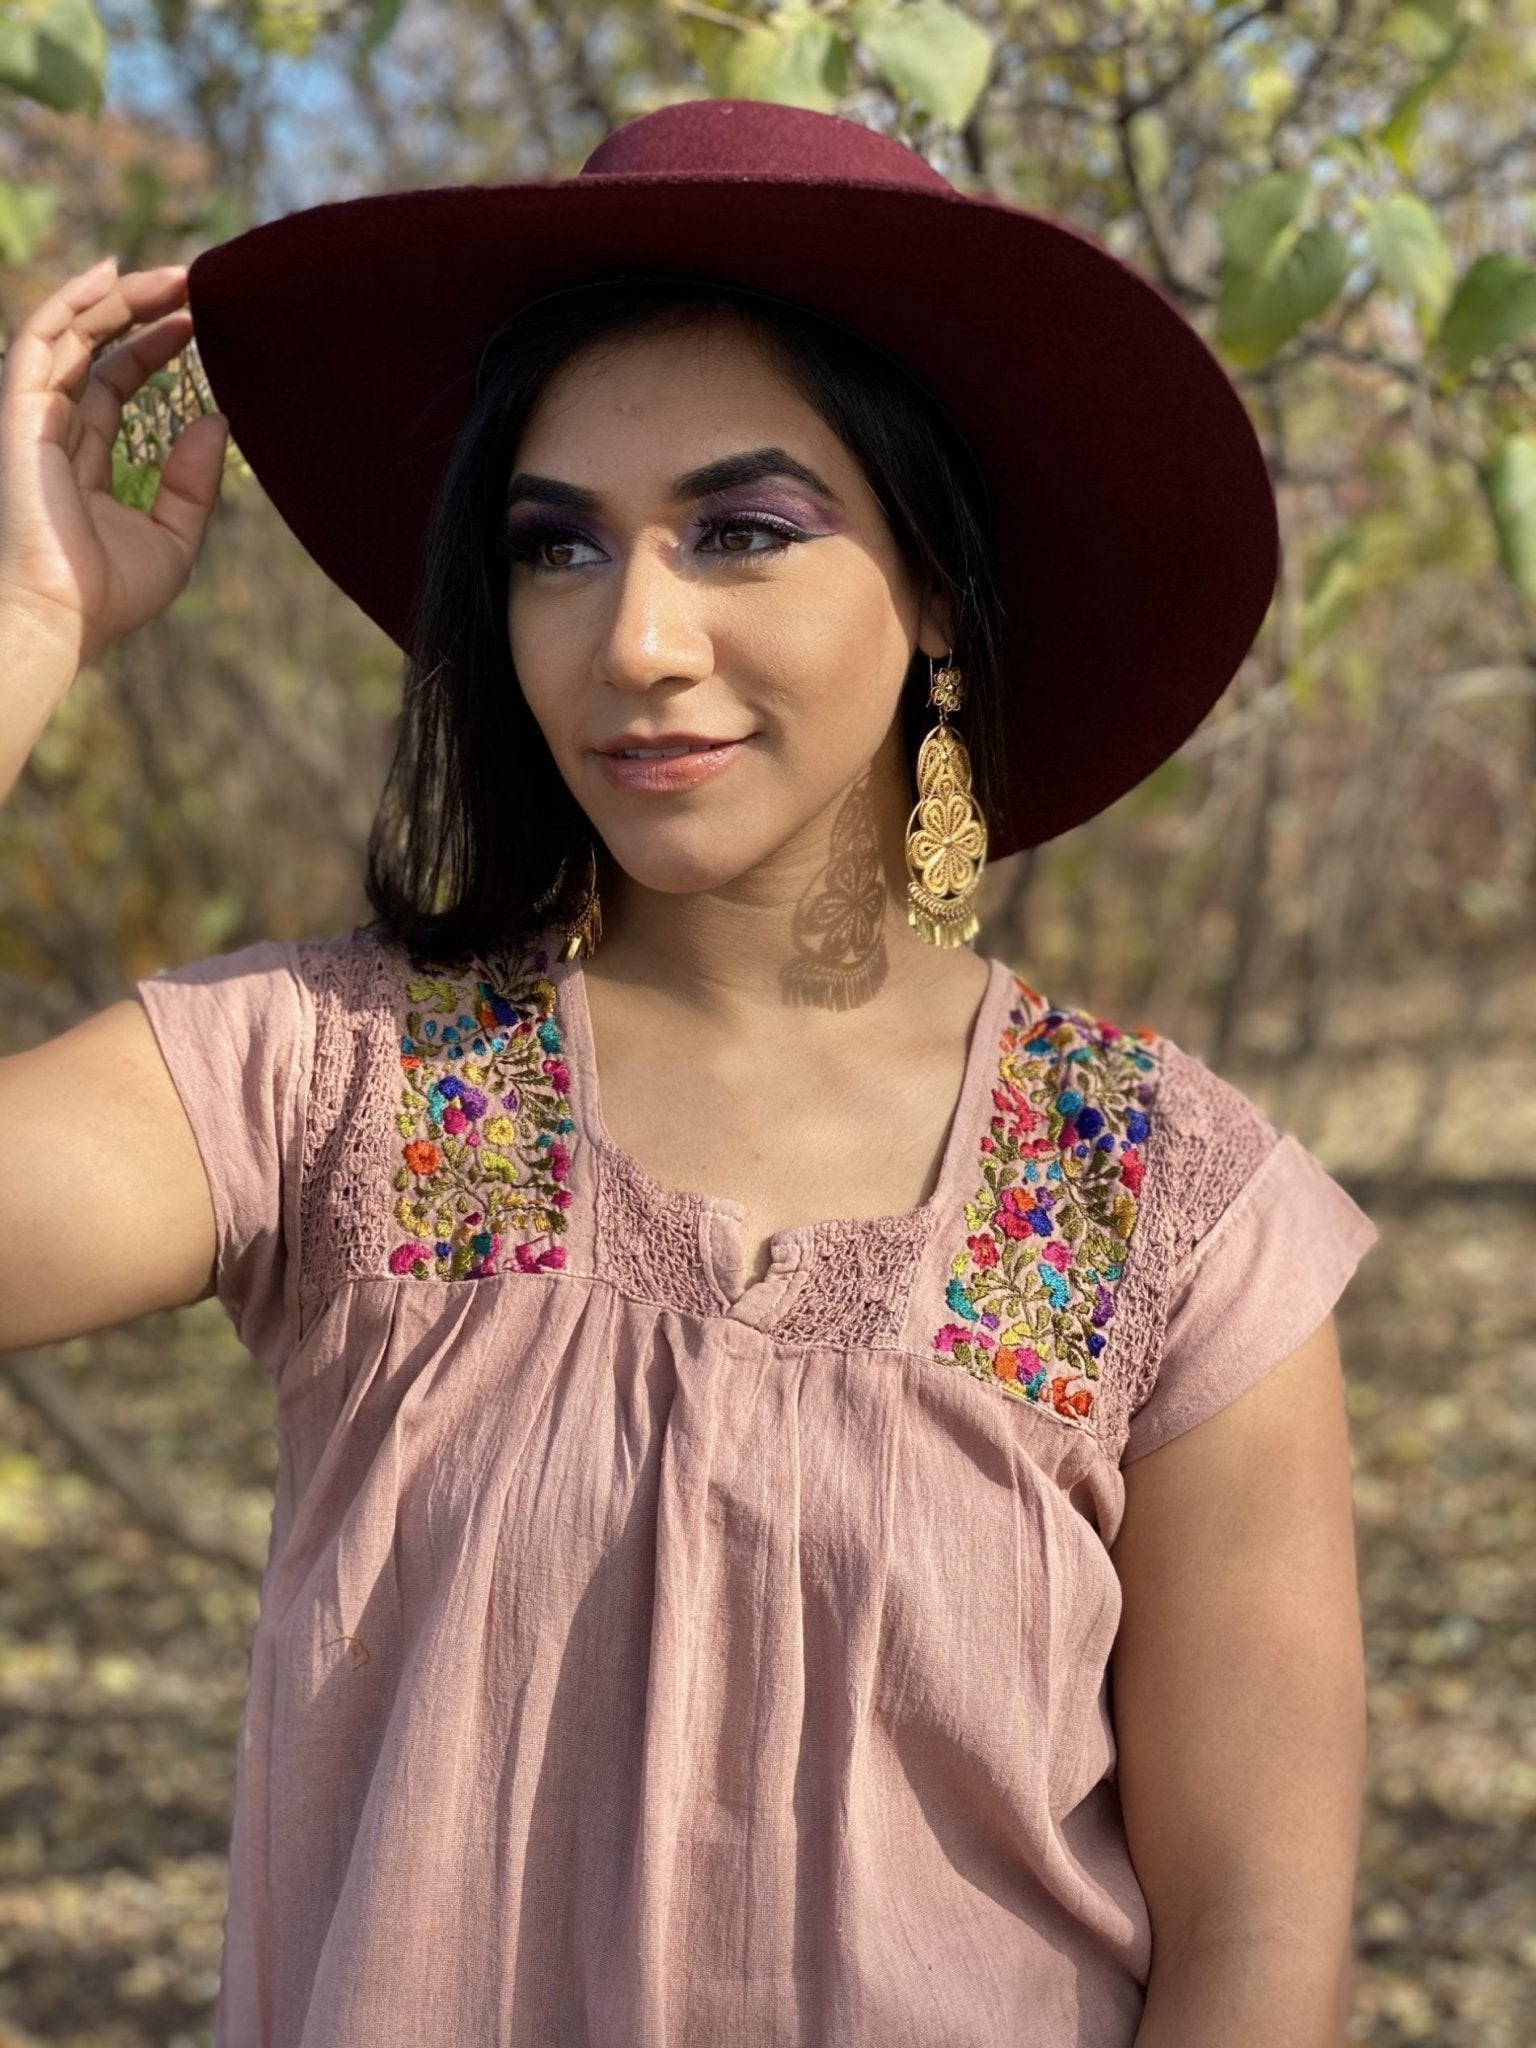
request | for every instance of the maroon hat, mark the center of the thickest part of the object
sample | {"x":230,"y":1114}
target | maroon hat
{"x":1134,"y":529}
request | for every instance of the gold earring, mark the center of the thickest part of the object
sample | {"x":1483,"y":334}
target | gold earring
{"x":946,"y":833}
{"x":583,"y":929}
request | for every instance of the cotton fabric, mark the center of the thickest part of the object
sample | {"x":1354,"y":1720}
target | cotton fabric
{"x":647,"y":1660}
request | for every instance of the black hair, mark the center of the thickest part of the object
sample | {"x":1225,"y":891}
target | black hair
{"x":478,"y":842}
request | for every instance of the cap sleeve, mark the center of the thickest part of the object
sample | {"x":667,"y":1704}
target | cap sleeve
{"x":1274,"y":1242}
{"x":235,"y":1034}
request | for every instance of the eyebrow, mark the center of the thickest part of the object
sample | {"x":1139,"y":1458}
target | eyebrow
{"x":713,"y":477}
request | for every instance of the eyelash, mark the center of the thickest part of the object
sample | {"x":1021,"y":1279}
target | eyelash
{"x":523,"y":544}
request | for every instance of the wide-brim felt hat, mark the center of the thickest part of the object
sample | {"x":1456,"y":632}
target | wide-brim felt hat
{"x":1133,"y":520}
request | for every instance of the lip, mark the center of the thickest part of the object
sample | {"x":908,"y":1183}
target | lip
{"x":661,"y":739}
{"x":684,"y":771}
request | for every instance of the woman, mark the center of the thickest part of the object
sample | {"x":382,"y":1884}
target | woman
{"x":745,"y":1567}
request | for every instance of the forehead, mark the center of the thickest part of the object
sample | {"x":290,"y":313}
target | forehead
{"x":678,"y":393}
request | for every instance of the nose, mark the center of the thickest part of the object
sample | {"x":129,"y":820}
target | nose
{"x":656,"y":630}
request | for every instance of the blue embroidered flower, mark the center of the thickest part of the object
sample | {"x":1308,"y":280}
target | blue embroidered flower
{"x":960,"y":1301}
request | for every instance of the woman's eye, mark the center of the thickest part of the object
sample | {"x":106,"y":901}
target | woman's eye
{"x":548,"y":548}
{"x":736,"y":536}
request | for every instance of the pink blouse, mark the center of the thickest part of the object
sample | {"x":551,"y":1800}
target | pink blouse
{"x":646,"y":1660}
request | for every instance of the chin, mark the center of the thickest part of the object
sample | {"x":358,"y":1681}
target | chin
{"x":677,"y":865}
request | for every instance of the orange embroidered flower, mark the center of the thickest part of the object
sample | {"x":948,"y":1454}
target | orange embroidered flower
{"x":422,"y":1156}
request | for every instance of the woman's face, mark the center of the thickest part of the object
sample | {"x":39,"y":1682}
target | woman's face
{"x":698,"y":561}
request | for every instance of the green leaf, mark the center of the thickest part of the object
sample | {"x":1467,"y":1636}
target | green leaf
{"x":1494,"y":303}
{"x":1402,"y":124}
{"x":796,"y":61}
{"x":1410,"y":251}
{"x":1421,"y":27}
{"x":53,"y":51}
{"x":1151,"y":148}
{"x":382,"y":16}
{"x":928,"y":51}
{"x":1261,"y":310}
{"x":1255,"y":217}
{"x":1511,"y":480}
{"x":134,"y":483}
{"x":25,"y":211}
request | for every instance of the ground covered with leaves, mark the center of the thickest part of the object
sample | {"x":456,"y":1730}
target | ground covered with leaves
{"x":123,"y":1660}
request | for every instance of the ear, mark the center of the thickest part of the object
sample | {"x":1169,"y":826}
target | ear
{"x":935,"y":633}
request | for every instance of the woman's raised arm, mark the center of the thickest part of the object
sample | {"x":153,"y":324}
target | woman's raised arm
{"x":105,"y":1212}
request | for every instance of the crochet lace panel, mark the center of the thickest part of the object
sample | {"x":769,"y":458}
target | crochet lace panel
{"x":1210,"y":1140}
{"x":648,"y":1239}
{"x":857,"y":1272}
{"x":346,"y":1228}
{"x":859,"y":1279}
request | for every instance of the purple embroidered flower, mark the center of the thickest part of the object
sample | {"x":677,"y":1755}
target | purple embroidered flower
{"x":471,"y":1100}
{"x":1103,"y":1306}
{"x":509,"y":1101}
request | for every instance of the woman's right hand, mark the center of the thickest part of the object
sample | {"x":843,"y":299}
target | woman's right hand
{"x":75,"y":563}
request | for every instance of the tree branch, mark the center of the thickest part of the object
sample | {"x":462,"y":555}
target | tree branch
{"x":33,"y":1380}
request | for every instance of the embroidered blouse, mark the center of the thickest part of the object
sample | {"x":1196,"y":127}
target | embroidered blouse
{"x":646,"y":1659}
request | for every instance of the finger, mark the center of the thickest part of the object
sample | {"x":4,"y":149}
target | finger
{"x":115,"y":377}
{"x":54,"y":346}
{"x":141,"y":296}
{"x":189,"y":482}
{"x":32,"y":343}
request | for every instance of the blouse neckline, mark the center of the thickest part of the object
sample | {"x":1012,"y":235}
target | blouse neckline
{"x":788,"y":1247}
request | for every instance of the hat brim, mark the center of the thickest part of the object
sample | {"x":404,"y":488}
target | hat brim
{"x":1135,"y":533}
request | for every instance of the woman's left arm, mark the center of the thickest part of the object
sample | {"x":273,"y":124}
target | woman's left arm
{"x":1238,"y":1693}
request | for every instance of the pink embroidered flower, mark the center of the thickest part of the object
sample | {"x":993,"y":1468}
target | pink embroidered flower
{"x":1057,"y":1253}
{"x":559,"y":1160}
{"x":553,"y":1257}
{"x":983,"y":1250}
{"x":527,"y":1258}
{"x":950,"y":1335}
{"x":454,"y":1119}
{"x":1132,"y":1169}
{"x":559,"y":1073}
{"x":989,"y":1144}
{"x":405,"y":1258}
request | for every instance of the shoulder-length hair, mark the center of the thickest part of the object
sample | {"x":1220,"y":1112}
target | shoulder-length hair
{"x":478,"y":843}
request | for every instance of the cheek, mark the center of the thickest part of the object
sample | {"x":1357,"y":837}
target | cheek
{"x":840,"y":653}
{"x":541,"y":655}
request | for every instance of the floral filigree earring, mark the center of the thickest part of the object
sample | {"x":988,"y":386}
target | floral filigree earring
{"x":583,"y":929}
{"x":946,"y":833}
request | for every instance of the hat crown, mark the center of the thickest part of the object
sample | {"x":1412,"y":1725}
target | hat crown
{"x":753,"y":139}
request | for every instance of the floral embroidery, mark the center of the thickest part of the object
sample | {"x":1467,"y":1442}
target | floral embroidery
{"x":1051,"y":1225}
{"x":485,"y":1115}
